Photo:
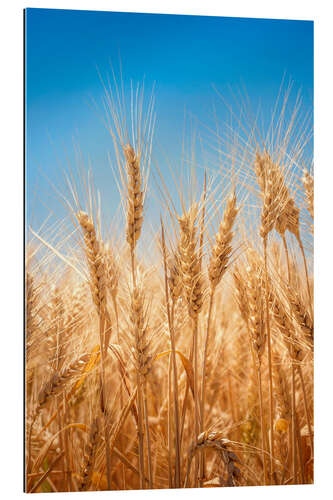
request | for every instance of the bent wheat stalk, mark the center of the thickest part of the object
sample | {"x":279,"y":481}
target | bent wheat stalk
{"x":215,"y":441}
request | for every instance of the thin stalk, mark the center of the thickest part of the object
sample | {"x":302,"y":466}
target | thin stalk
{"x":115,"y":306}
{"x":174,"y":363}
{"x":107,"y":446}
{"x":203,"y":384}
{"x":104,"y":401}
{"x":269,"y":353}
{"x":293,"y":413}
{"x":140,"y":395}
{"x":45,"y":475}
{"x":145,"y":408}
{"x":203,"y":376}
{"x":262,"y":424}
{"x":169,"y":423}
{"x":294,"y":440}
{"x":196,"y":399}
{"x":202,"y":223}
{"x":61,"y":440}
{"x":292,"y":435}
{"x":299,"y":447}
{"x":231,"y":399}
{"x":287,"y":461}
{"x":133,"y":267}
{"x":66,"y":445}
{"x":28,"y":465}
{"x":140,"y":432}
{"x":306,"y":407}
{"x":121,"y":395}
{"x":187,"y":388}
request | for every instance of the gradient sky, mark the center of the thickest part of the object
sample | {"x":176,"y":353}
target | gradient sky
{"x":182,"y":55}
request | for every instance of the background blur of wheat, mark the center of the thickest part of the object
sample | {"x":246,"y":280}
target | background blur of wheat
{"x":193,"y":367}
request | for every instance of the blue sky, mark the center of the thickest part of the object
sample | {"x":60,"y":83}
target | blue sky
{"x":182,"y":55}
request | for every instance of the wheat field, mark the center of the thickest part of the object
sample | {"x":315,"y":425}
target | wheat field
{"x":180,"y":354}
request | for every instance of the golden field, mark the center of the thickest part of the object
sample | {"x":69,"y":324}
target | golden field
{"x":192,"y":367}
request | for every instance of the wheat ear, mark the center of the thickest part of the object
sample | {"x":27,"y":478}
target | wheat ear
{"x":218,"y":265}
{"x":308,"y":185}
{"x":189,"y":261}
{"x":135,"y":196}
{"x":222,"y":249}
{"x":215,"y":441}
{"x":190,"y":266}
{"x":95,"y":261}
{"x":31,"y":324}
{"x":58,"y":382}
{"x":89,"y":456}
{"x":143,"y":360}
{"x":96,"y":264}
{"x":258,"y":336}
{"x":301,"y":316}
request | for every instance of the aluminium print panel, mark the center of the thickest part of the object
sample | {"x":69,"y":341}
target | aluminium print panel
{"x":168,"y":251}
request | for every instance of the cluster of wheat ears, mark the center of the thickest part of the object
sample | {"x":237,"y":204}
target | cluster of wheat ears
{"x":195,"y":370}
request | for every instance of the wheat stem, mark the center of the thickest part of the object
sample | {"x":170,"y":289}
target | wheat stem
{"x":293,"y":413}
{"x":145,"y":409}
{"x":174,"y":363}
{"x":269,"y":355}
{"x":262,"y":423}
{"x":306,"y":407}
{"x":203,"y":380}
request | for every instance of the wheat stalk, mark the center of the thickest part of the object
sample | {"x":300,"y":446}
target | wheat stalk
{"x":97,"y":283}
{"x":89,"y":456}
{"x":218,"y":266}
{"x":175,"y":292}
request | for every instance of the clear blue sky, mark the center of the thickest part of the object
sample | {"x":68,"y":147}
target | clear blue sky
{"x":183,"y":55}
